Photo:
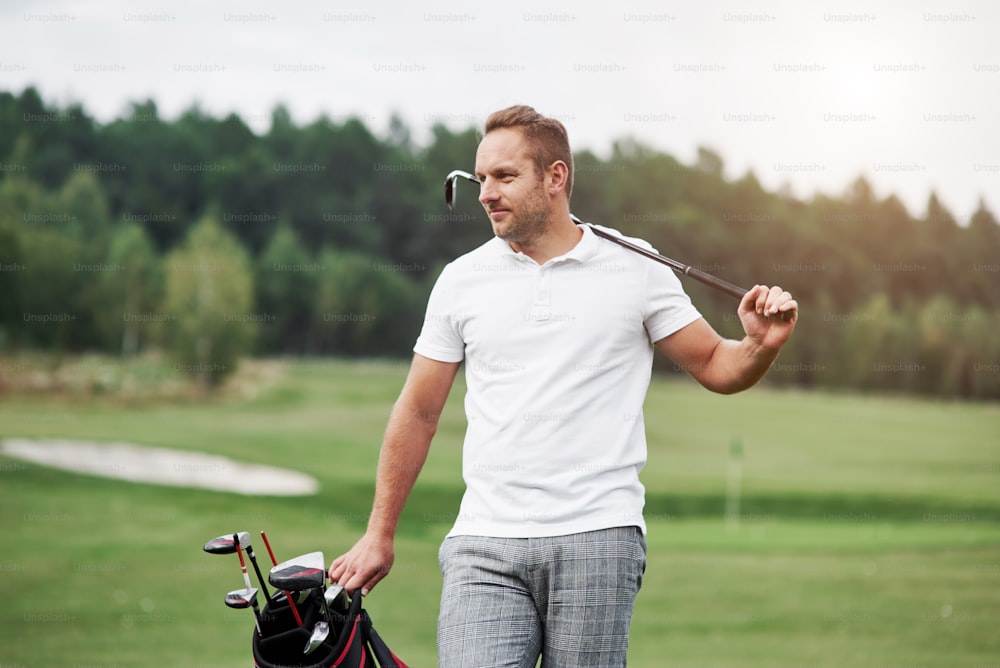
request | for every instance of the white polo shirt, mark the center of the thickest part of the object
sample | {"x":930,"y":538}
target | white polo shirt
{"x":557,"y":363}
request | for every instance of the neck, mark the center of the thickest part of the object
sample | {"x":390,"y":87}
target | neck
{"x":559,"y":238}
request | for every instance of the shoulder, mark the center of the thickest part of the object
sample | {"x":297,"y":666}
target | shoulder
{"x":615,"y":233}
{"x":489,"y":250}
{"x":492,"y":257}
{"x":606,"y":252}
{"x":659,"y":280}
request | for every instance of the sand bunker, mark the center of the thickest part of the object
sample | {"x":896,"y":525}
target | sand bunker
{"x":161,"y":466}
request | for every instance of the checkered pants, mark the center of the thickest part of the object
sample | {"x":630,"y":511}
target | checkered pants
{"x":505,"y":601}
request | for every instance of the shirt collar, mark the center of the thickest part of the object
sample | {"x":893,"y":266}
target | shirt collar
{"x":584,"y":249}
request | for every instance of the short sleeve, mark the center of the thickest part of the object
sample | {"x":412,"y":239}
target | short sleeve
{"x":668,"y":308}
{"x":439,"y":338}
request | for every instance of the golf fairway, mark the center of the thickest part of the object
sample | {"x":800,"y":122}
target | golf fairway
{"x":868,"y":532}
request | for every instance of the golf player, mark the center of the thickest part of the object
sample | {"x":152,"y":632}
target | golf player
{"x":556,"y":328}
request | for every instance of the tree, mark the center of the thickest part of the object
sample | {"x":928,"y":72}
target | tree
{"x":366,"y":306}
{"x":709,"y":161}
{"x":376,"y":203}
{"x":208,"y":303}
{"x":12,"y":264}
{"x":342,"y":324}
{"x":50,"y":287}
{"x":128,"y":290}
{"x":981,"y":242}
{"x":876,"y":345}
{"x":51,"y":274}
{"x":934,"y":244}
{"x":286,"y":291}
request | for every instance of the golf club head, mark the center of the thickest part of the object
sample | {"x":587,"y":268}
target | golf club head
{"x":226,"y":544}
{"x":449,"y":185}
{"x":241,"y":598}
{"x":306,"y":571}
{"x":320,"y":633}
{"x":336,"y":599}
{"x":333,"y":593}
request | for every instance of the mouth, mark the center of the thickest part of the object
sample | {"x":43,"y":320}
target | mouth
{"x":496,"y":214}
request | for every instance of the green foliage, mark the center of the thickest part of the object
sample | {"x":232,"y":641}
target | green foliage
{"x":890,"y":301}
{"x":365,"y":306}
{"x":209,"y":298}
{"x":285,"y":284}
{"x":129,"y":290}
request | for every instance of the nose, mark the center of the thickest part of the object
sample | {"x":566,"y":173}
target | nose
{"x":487,"y":191}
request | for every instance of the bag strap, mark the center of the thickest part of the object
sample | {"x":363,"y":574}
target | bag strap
{"x":385,"y":657}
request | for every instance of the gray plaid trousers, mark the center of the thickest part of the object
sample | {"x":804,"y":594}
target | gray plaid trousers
{"x":505,"y":601}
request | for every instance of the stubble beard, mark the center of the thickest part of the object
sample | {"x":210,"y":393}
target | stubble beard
{"x":530,"y":222}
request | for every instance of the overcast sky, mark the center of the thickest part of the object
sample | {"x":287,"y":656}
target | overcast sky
{"x":810,"y":94}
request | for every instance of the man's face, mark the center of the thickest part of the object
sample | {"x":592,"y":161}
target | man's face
{"x":512,"y":191}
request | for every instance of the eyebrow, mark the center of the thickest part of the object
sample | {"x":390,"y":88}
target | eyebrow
{"x":503,"y":168}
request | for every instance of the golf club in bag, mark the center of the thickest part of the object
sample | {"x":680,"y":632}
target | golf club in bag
{"x":679,"y":267}
{"x":304,"y":623}
{"x":352,"y":641}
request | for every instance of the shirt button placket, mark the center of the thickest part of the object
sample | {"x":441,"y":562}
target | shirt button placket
{"x":542,"y":306}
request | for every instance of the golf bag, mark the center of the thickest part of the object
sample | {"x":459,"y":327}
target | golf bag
{"x":352,"y":643}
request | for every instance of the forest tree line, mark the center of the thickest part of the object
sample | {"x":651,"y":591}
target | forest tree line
{"x":201,"y":237}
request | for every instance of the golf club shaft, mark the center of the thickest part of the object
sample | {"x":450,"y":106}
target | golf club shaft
{"x":243,"y":563}
{"x":256,"y":569}
{"x":679,"y":267}
{"x":256,"y":619}
{"x":288,"y":594}
{"x":704,"y":277}
{"x":267,"y":545}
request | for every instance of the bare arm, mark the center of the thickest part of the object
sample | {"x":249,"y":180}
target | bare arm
{"x":725,"y":365}
{"x":408,"y":435}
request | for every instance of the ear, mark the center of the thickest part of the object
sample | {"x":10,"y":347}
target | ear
{"x":558,"y":173}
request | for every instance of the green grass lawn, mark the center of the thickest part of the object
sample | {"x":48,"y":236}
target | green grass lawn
{"x":870,"y":531}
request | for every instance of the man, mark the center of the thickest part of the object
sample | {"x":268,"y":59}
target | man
{"x":556,"y":328}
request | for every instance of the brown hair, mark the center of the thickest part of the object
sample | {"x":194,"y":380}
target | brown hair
{"x":548,"y":137}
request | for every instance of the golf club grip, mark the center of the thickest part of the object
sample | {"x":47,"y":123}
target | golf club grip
{"x":714,"y":281}
{"x":724,"y":286}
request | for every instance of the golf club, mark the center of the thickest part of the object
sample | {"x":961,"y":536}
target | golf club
{"x":227,"y":545}
{"x":245,"y":544}
{"x":320,"y":633}
{"x":278,"y":643}
{"x":450,"y":194}
{"x":243,"y":564}
{"x":245,"y":598}
{"x":335,"y":594}
{"x":306,"y":571}
{"x":302,"y":572}
{"x":288,"y":594}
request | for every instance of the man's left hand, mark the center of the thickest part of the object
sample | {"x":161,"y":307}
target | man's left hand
{"x":768,"y":315}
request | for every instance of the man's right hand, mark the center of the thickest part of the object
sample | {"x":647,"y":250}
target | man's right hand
{"x":364,"y":565}
{"x":408,"y":436}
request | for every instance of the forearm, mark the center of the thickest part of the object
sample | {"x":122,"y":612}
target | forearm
{"x":725,"y":365}
{"x":404,"y":450}
{"x":408,"y":435}
{"x":737,"y":365}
